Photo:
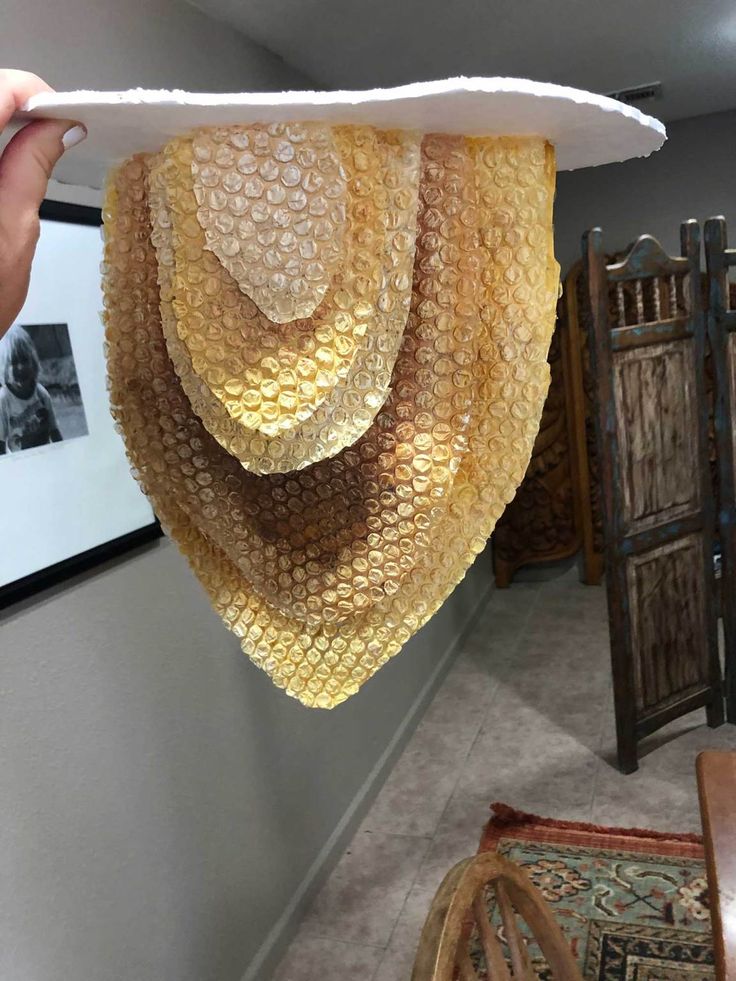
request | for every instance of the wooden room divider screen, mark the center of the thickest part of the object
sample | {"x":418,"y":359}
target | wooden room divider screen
{"x":722,"y":335}
{"x":658,"y":509}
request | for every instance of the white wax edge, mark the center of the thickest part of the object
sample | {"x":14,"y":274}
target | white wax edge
{"x":586,"y":129}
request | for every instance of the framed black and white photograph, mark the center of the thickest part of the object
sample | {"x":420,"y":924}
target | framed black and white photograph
{"x":40,"y":398}
{"x":66,"y":492}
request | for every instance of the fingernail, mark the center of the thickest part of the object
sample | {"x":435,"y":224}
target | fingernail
{"x":73,"y":136}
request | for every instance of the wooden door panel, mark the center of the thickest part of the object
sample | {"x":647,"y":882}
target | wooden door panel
{"x":666,"y":588}
{"x":655,"y":396}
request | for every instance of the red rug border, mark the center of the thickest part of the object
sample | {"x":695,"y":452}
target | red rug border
{"x":509,"y":820}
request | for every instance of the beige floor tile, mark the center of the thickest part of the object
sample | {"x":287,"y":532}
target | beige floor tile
{"x":416,"y":792}
{"x":646,"y":800}
{"x":465,"y":694}
{"x":563,"y":791}
{"x":520,"y":747}
{"x":398,"y":960}
{"x":316,"y":959}
{"x":457,"y":837}
{"x":414,"y":796}
{"x":362,"y":899}
{"x":499,"y":626}
{"x":662,"y":793}
{"x":396,"y":964}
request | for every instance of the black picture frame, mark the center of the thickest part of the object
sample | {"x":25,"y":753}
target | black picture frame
{"x":59,"y":572}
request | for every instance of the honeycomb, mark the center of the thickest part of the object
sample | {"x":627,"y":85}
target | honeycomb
{"x":400,"y":467}
{"x":269,"y":377}
{"x":466,"y":394}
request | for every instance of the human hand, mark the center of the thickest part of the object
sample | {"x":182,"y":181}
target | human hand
{"x":25,"y":168}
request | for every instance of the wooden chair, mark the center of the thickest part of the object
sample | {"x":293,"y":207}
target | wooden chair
{"x":443,"y":953}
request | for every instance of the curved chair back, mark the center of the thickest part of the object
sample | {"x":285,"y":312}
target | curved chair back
{"x":443,"y":953}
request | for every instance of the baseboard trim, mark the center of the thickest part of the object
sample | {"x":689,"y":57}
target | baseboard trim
{"x":273,"y":947}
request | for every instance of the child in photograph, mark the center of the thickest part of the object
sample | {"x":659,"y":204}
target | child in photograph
{"x":27,"y":416}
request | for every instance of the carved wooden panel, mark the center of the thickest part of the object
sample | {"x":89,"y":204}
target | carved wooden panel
{"x":655,"y":399}
{"x":668,"y":615}
{"x":648,"y":355}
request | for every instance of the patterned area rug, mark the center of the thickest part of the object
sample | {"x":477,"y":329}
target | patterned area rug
{"x":633,"y":904}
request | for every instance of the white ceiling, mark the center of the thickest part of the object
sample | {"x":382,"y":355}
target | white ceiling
{"x":601,"y":45}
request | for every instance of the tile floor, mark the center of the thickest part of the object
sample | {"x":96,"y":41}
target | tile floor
{"x":524,"y":716}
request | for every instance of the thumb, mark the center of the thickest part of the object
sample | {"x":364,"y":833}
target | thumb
{"x":25,"y":168}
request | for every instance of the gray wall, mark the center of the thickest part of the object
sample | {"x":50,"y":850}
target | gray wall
{"x":162,"y":802}
{"x":692,"y":176}
{"x":165,"y":809}
{"x":106,"y":44}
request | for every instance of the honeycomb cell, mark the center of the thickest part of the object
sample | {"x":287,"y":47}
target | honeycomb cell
{"x":272,"y":201}
{"x":510,"y":213}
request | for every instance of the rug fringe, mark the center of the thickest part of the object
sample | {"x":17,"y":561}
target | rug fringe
{"x":503,"y":814}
